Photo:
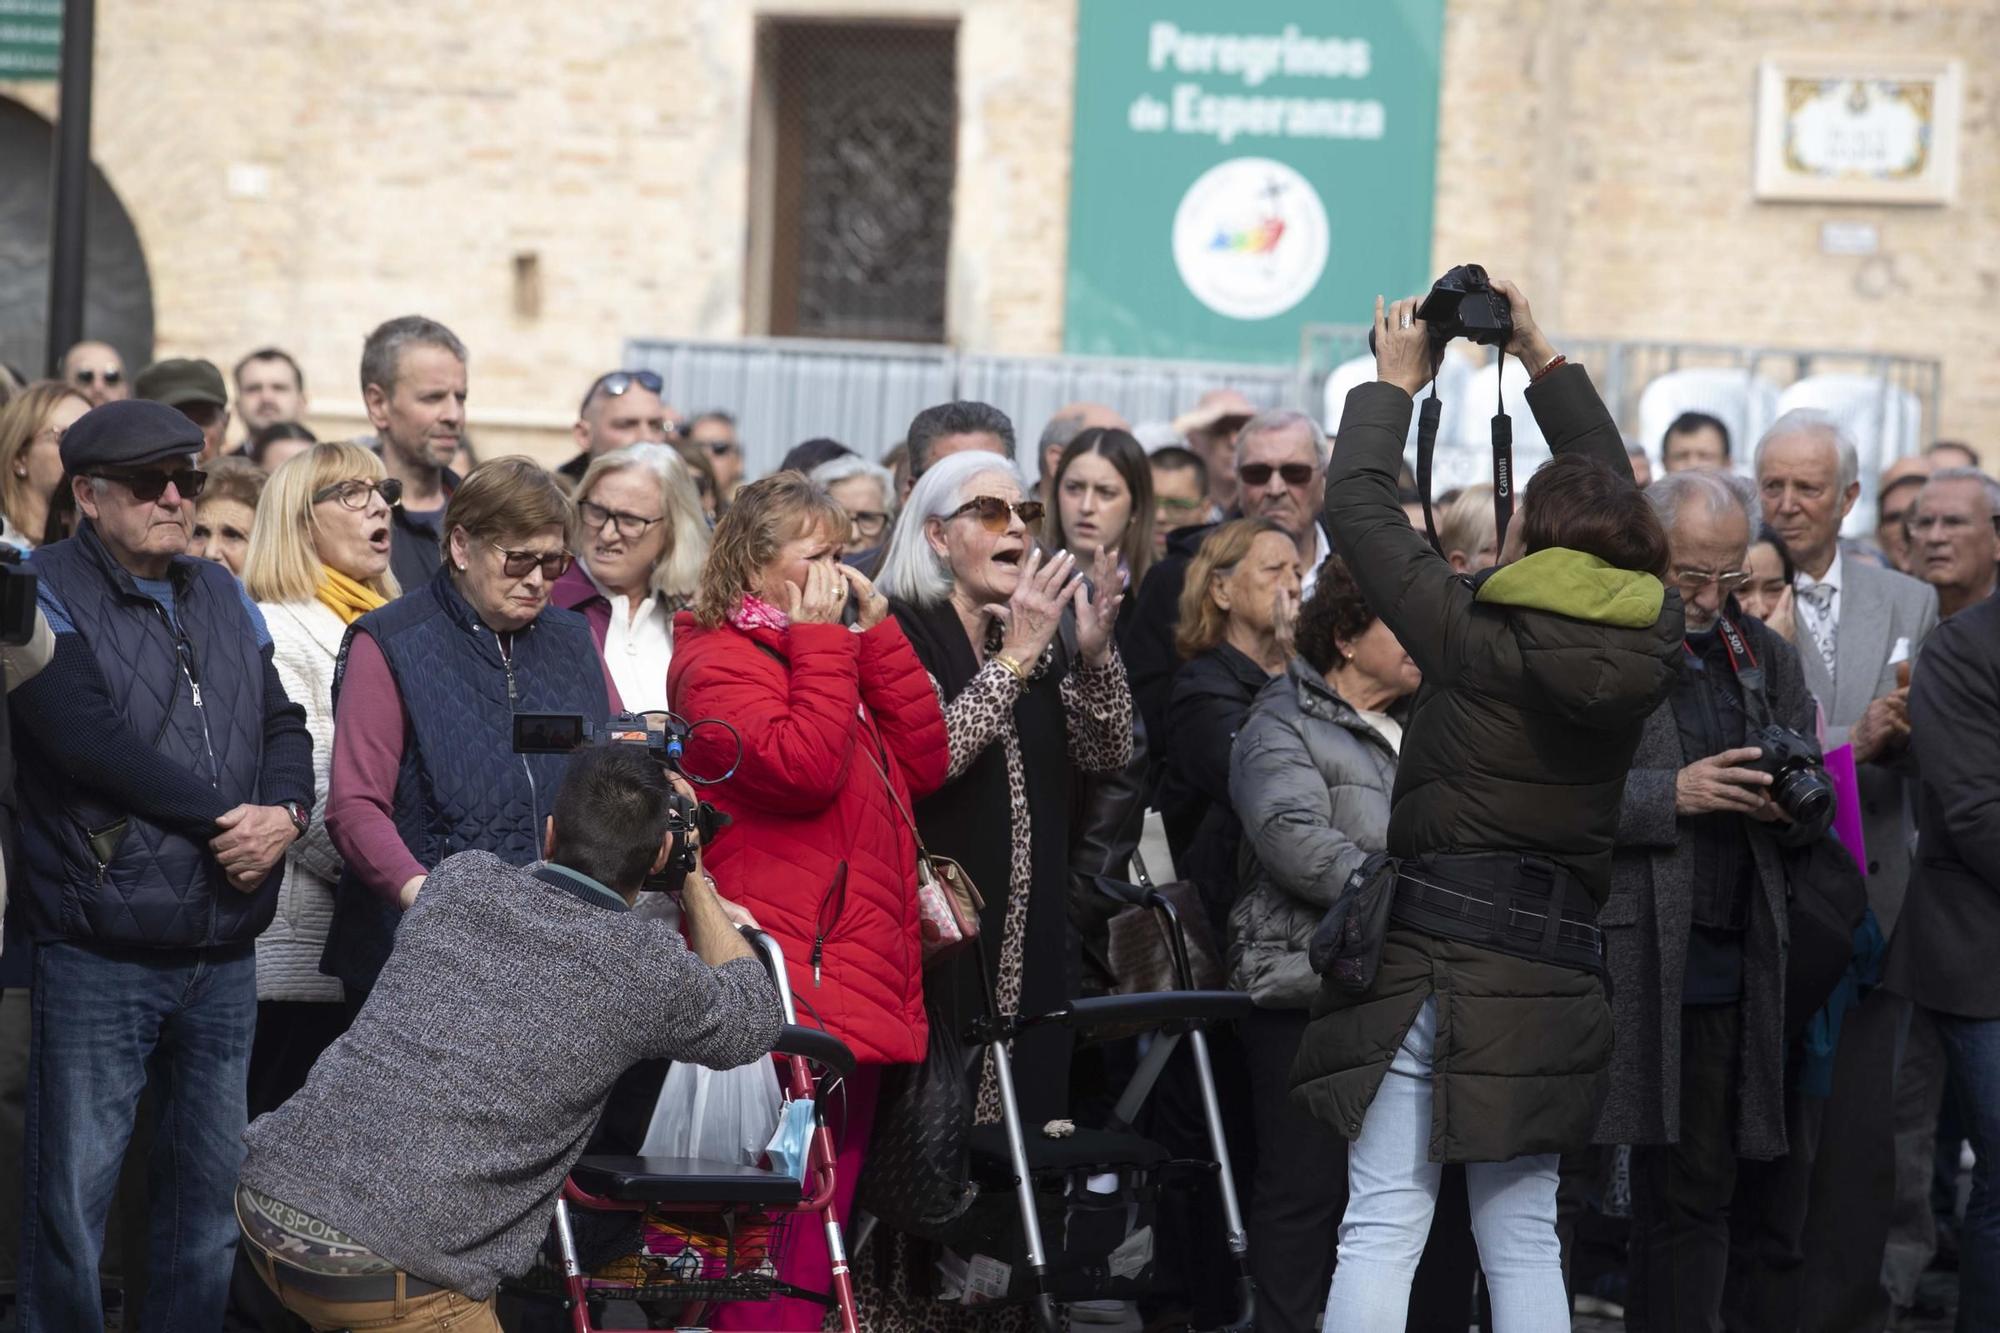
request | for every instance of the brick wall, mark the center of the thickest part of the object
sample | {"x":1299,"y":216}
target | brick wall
{"x":402,"y":156}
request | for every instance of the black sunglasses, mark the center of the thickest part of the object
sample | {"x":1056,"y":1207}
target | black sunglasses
{"x":1259,"y":474}
{"x":992,"y":511}
{"x":147,"y":485}
{"x":89,"y":377}
{"x":618,"y":381}
{"x":355,"y":492}
{"x":516,"y":564}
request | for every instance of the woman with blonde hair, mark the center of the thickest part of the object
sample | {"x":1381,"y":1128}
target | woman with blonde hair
{"x":425,"y":695}
{"x":1237,"y":609}
{"x":840,"y":735}
{"x":31,"y":470}
{"x":318,"y":560}
{"x":641,"y":542}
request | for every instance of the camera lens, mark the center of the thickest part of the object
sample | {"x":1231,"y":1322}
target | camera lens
{"x":1804,"y":793}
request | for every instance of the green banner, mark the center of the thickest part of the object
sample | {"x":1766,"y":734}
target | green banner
{"x":1242,"y":169}
{"x":30,"y":39}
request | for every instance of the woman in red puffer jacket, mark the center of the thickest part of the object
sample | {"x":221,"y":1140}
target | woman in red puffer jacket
{"x":841,"y":732}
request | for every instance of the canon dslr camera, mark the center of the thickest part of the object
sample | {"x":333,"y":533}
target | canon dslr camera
{"x":1463,"y":304}
{"x":1798,"y":773}
{"x":663,"y":736}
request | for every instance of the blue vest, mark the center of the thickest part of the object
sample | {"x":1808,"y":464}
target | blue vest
{"x":460,"y":786}
{"x":101,"y":874}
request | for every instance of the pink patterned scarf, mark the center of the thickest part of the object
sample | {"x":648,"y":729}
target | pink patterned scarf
{"x":753,"y":612}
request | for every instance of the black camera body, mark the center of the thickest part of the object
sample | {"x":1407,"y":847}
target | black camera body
{"x":663,"y":736}
{"x":1463,"y":304}
{"x":17,"y":598}
{"x":1799,"y":783}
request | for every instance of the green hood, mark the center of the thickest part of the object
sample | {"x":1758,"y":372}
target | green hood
{"x":1582,"y":587}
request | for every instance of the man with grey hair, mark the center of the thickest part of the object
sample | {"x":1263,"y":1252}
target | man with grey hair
{"x":1281,"y":475}
{"x":950,"y":428}
{"x":1824,"y":1209}
{"x":1697,"y":980}
{"x":1070,"y":421}
{"x":413,"y":385}
{"x":1954,"y":536}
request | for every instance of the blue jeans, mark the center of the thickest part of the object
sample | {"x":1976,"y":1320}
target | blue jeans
{"x":1972,"y":1049}
{"x":1392,"y":1191}
{"x":99,"y":1017}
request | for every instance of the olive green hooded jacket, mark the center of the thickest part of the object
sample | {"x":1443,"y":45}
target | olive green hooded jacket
{"x":1538,"y":680}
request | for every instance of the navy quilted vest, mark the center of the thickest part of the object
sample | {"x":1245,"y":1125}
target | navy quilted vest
{"x":96,"y":872}
{"x":461,"y":787}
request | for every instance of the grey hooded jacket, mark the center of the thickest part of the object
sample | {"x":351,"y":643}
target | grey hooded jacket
{"x":1310,"y":780}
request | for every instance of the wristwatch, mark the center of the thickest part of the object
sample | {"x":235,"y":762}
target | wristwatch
{"x":300,"y":819}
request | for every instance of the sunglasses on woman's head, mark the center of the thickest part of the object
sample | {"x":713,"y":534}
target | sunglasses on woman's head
{"x":992,"y":511}
{"x":1259,"y":474}
{"x":516,"y":564}
{"x":355,"y":492}
{"x":147,"y":485}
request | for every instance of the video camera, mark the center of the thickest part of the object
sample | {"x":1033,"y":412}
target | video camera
{"x":664,"y":737}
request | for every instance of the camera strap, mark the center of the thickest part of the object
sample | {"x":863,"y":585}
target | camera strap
{"x":1751,"y":677}
{"x":1428,"y":413}
{"x":1503,"y":457}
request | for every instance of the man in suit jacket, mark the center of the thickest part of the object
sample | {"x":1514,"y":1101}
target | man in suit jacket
{"x":1827,"y":1205}
{"x":1942,"y":957}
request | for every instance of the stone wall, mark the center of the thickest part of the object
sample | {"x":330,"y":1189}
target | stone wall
{"x":299,"y":171}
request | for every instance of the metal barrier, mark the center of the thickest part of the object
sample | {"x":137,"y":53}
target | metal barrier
{"x":785,"y":390}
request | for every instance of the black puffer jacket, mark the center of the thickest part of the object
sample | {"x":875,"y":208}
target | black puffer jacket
{"x":1538,"y":679}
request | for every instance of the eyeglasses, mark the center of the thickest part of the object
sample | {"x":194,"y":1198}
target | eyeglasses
{"x":147,"y":485}
{"x":721,"y":448}
{"x":87,"y":377}
{"x":618,"y":381}
{"x":517,"y":564}
{"x":1259,"y":474}
{"x":1692,"y":581}
{"x":992,"y":511}
{"x":1174,"y":504}
{"x":630,"y":526}
{"x":355,"y":492}
{"x":870,"y":522}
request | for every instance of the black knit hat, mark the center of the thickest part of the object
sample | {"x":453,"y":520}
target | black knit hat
{"x":128,"y":433}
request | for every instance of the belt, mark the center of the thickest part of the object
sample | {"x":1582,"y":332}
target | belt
{"x":342,"y":1289}
{"x":1517,"y":910}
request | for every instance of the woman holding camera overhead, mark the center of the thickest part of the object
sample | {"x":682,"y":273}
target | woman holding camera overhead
{"x":840,"y":734}
{"x":640,"y":546}
{"x":424,"y":698}
{"x":1484,"y":1035}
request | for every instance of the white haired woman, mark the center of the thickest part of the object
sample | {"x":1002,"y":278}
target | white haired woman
{"x":867,"y":491}
{"x":641,"y":541}
{"x":1025,"y":714}
{"x":318,"y":560}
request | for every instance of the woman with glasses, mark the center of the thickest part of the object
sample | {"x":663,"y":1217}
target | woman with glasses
{"x":31,"y":470}
{"x":839,"y":732}
{"x":640,"y":546}
{"x":318,"y":561}
{"x":424,"y":702}
{"x":1026,"y":715}
{"x":867,"y":492}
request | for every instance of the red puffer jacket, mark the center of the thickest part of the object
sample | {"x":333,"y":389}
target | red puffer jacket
{"x":817,"y":850}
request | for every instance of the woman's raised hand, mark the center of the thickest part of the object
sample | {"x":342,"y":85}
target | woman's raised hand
{"x":1034,"y":612}
{"x":1097,"y":615}
{"x":1285,"y":620}
{"x":823,"y":598}
{"x":873,"y":607}
{"x":1402,"y":346}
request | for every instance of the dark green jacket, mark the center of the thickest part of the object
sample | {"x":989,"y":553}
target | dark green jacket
{"x":1538,"y":680}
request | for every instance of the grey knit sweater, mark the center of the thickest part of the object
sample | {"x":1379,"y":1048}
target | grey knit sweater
{"x":438,"y":1130}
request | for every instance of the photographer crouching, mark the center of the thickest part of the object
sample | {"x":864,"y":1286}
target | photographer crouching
{"x":421,"y":1162}
{"x":1483,"y":1035}
{"x":1725,"y":779}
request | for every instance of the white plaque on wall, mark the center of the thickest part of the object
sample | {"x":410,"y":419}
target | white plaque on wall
{"x":1857,"y":130}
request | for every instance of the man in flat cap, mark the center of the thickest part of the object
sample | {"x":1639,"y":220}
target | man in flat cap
{"x":162,"y":775}
{"x":194,"y":388}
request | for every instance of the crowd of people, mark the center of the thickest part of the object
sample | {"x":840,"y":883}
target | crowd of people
{"x":267,"y":715}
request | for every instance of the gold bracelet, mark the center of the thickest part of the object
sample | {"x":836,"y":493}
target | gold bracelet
{"x":1020,"y":672}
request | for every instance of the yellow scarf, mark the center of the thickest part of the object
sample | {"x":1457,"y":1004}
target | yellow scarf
{"x":344,"y":597}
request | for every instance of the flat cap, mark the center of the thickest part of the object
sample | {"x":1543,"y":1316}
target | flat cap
{"x":179,"y":380}
{"x":128,"y":433}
